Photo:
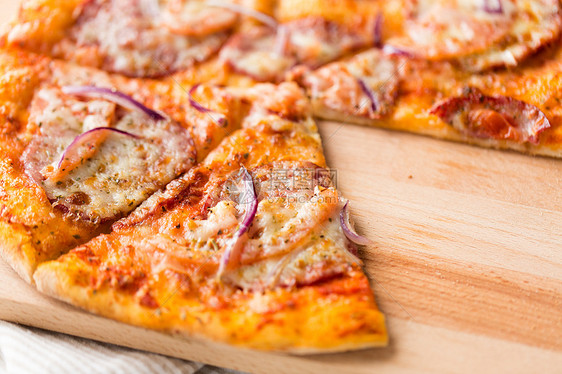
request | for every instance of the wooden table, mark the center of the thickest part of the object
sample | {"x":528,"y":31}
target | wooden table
{"x":467,"y":263}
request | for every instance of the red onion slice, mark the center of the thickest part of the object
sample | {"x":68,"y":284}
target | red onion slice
{"x":348,"y":229}
{"x":282,"y":40}
{"x":80,"y":139}
{"x":112,"y":95}
{"x":262,"y":17}
{"x":248,"y":196}
{"x":395,"y":51}
{"x":493,"y":9}
{"x":370,"y":94}
{"x":200,"y":108}
{"x":377,"y":32}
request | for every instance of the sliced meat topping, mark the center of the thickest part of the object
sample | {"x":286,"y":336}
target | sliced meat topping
{"x":479,"y":34}
{"x":266,"y":54}
{"x":295,"y":237}
{"x":364,"y":86}
{"x":255,"y":53}
{"x":101,"y":177}
{"x":316,"y":41}
{"x":126,"y":37}
{"x":493,"y":117}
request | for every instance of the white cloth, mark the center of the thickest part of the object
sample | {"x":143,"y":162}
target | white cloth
{"x":30,"y":350}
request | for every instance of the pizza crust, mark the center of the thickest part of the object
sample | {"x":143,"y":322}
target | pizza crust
{"x":306,"y":329}
{"x":429,"y":126}
{"x":16,"y":249}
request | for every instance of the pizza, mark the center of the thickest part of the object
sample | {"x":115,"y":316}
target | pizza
{"x":275,"y":281}
{"x":160,"y":163}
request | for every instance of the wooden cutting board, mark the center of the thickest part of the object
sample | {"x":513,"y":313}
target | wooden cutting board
{"x":467,"y":263}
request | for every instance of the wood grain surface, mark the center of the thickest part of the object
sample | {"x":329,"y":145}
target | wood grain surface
{"x":467,"y":263}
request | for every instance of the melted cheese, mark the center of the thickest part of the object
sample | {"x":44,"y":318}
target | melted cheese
{"x":121,"y":173}
{"x":477,"y":37}
{"x":322,"y":254}
{"x":255,"y":54}
{"x":337,"y":86}
{"x":295,"y":237}
{"x":132,"y":41}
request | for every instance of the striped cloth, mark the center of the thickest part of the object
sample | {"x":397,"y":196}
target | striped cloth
{"x":29,"y":350}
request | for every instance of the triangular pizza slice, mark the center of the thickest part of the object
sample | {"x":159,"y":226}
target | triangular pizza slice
{"x":80,"y":149}
{"x":253,"y":247}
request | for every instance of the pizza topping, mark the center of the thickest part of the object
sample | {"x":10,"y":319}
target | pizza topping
{"x":493,"y":117}
{"x":348,"y":228}
{"x":195,"y":17}
{"x":285,"y":100}
{"x":282,"y":41}
{"x":370,"y":94}
{"x":114,"y":171}
{"x":493,"y":6}
{"x":265,"y":54}
{"x":316,"y":41}
{"x":395,"y":51}
{"x":446,"y":28}
{"x":321,"y":253}
{"x":113,"y":95}
{"x":377,"y":31}
{"x":479,"y":35}
{"x":262,"y":17}
{"x":127,"y":38}
{"x":255,"y":53}
{"x":248,"y":198}
{"x":364,"y":86}
{"x":285,"y":223}
{"x":200,"y":108}
{"x":81,"y":148}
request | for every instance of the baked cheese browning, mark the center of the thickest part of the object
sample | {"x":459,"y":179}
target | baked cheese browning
{"x":282,"y":102}
{"x":364,"y":86}
{"x":266,"y":54}
{"x":496,"y":117}
{"x":111,"y":175}
{"x":295,"y":268}
{"x":478,"y":34}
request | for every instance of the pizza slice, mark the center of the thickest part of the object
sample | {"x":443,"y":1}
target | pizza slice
{"x":253,"y":247}
{"x":516,"y":109}
{"x":80,"y":149}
